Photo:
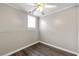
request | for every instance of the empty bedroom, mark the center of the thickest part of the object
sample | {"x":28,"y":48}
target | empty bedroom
{"x":39,"y":29}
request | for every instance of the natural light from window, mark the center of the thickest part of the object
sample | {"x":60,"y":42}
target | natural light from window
{"x":31,"y":22}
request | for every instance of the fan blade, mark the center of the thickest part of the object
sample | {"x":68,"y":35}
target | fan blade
{"x":43,"y":13}
{"x":50,"y":6}
{"x":31,"y":4}
{"x":33,"y":11}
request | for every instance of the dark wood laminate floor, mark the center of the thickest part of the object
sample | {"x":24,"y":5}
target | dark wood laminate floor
{"x":40,"y":49}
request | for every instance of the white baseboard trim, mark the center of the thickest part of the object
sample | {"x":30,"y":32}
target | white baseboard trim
{"x":60,"y":48}
{"x":10,"y":53}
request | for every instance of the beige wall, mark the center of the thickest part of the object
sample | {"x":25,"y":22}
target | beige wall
{"x":13,"y":30}
{"x":78,"y":28}
{"x":60,"y":29}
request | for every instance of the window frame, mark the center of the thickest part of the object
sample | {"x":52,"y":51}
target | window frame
{"x":36,"y":23}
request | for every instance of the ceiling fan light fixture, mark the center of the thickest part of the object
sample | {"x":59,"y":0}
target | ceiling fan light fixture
{"x":40,"y":7}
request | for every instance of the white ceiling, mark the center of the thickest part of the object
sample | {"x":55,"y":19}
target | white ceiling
{"x":27,"y":7}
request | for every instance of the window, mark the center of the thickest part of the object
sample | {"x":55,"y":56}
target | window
{"x":31,"y":22}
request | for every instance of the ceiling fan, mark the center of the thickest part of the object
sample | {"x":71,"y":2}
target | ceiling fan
{"x":40,"y":7}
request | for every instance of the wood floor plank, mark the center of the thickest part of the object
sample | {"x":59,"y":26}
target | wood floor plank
{"x":40,"y":49}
